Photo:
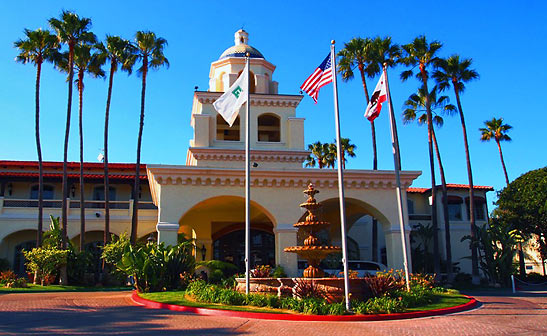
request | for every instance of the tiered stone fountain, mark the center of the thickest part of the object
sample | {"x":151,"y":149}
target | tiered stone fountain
{"x":312,"y":250}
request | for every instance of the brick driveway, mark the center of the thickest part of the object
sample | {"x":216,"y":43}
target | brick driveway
{"x":107,"y":313}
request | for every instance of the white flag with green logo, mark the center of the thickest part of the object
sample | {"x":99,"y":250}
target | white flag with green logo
{"x":229,"y":103}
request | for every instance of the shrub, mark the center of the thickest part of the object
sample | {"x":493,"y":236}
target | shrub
{"x":307,"y":289}
{"x":279,"y":272}
{"x":379,"y":305}
{"x":219,"y":270}
{"x":156,"y":267}
{"x":7,"y":276}
{"x":45,"y":260}
{"x":383,"y":283}
{"x":261,"y":271}
{"x":78,"y":264}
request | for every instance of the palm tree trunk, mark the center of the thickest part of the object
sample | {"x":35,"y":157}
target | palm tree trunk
{"x":502,"y":162}
{"x":63,"y":277}
{"x":134,"y":219}
{"x":434,"y":223}
{"x":81,"y":131}
{"x":448,"y":243}
{"x":472,"y":229}
{"x":106,"y":237}
{"x":39,"y":150}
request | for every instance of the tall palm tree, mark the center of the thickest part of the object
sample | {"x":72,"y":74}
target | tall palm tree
{"x":119,"y":52}
{"x":71,"y":30}
{"x":383,"y":53}
{"x":348,"y":150}
{"x":419,"y":53}
{"x":86,"y":60}
{"x":39,"y":46}
{"x":416,"y":105}
{"x":497,"y":130}
{"x":357,"y":53}
{"x":455,"y":72}
{"x":149,"y":49}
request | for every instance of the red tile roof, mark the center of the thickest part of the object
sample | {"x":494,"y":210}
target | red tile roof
{"x":450,"y":186}
{"x":71,"y":175}
{"x":55,"y":164}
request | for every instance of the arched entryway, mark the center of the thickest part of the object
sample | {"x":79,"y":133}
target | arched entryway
{"x":217,"y":226}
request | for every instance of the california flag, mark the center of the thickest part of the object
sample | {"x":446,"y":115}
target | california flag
{"x":378,"y":98}
{"x":229,"y":103}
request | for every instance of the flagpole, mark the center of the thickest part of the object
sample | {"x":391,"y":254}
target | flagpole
{"x":247,"y":181}
{"x":396,"y":159}
{"x":340,"y":179}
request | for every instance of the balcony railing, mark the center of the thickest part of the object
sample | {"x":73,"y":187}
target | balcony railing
{"x":26,"y":203}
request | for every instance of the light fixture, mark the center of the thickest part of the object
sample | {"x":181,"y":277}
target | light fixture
{"x":140,"y":191}
{"x":97,"y":214}
{"x":73,"y":190}
{"x":203,"y":252}
{"x":255,"y":164}
{"x":10,"y":188}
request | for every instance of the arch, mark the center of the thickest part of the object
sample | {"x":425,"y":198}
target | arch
{"x":225,"y":132}
{"x":252,"y":81}
{"x":48,"y":191}
{"x":13,"y":244}
{"x":269,"y":128}
{"x":219,"y":81}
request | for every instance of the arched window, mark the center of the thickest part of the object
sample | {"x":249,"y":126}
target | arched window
{"x":225,"y":132}
{"x":98,"y":193}
{"x":47,"y":192}
{"x":252,"y":81}
{"x":220,"y":82}
{"x":269,"y":129}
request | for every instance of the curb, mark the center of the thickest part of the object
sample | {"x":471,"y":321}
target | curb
{"x":473,"y":303}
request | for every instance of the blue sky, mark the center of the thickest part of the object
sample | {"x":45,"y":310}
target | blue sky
{"x":506,"y":40}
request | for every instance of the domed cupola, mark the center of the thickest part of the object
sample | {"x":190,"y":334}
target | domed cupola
{"x":241,"y":47}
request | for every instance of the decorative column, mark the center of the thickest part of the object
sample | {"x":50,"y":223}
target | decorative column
{"x":167,"y":233}
{"x":285,"y":236}
{"x":394,"y":248}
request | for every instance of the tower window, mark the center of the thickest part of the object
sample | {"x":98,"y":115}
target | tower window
{"x":269,"y":128}
{"x":225,"y":132}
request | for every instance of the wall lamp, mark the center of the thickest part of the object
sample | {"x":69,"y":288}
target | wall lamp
{"x":203,"y":251}
{"x":10,"y":189}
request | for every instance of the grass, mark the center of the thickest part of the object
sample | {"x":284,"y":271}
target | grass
{"x":444,"y":300}
{"x":58,"y":288}
{"x":180,"y":298}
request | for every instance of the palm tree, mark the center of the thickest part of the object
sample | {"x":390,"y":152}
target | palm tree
{"x":456,"y":72}
{"x":320,"y":155}
{"x":119,"y":52}
{"x":39,"y":46}
{"x":383,"y":53}
{"x":71,"y":30}
{"x":416,"y":105}
{"x":496,"y":129}
{"x":358,"y":53}
{"x":348,"y":149}
{"x":149,"y":49}
{"x":85,"y":61}
{"x":423,"y":54}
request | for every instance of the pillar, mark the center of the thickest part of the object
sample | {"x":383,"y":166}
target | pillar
{"x":394,"y":248}
{"x":167,"y":233}
{"x":285,"y":236}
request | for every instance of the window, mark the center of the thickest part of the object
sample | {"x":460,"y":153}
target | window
{"x":269,"y":128}
{"x":410,"y":206}
{"x":252,"y":83}
{"x":47,"y":192}
{"x":98,"y":193}
{"x":479,"y":208}
{"x":225,"y":132}
{"x":455,"y":208}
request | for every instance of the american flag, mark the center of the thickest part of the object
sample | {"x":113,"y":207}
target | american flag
{"x":319,"y":78}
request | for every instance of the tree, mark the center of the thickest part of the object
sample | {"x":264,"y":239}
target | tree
{"x":526,"y":200}
{"x":348,"y":149}
{"x":149,"y":50}
{"x":456,"y":72}
{"x":497,"y":130}
{"x":38,"y":47}
{"x":422,"y":54}
{"x":71,"y":30}
{"x":119,"y":52}
{"x":416,"y":105}
{"x":320,"y":155}
{"x":85,"y":61}
{"x":357,"y":53}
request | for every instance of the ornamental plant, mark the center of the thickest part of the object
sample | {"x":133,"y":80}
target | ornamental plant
{"x":45,"y":260}
{"x":261,"y":271}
